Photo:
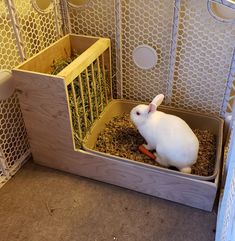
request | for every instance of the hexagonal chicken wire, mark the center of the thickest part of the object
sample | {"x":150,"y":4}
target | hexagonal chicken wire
{"x":9,"y":55}
{"x":38,"y":28}
{"x":13,"y":137}
{"x":97,"y":18}
{"x":24,"y":30}
{"x":203,"y":56}
{"x":146,"y":22}
{"x":200,"y":62}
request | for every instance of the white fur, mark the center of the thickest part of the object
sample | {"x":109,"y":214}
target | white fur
{"x":171,"y":137}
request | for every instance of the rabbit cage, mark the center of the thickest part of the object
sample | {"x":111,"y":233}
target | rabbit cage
{"x":183,"y":49}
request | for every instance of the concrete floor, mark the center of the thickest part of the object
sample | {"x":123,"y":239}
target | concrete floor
{"x":41,"y":204}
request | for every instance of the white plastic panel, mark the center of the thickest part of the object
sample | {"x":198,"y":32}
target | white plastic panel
{"x":228,"y":3}
{"x":144,"y":56}
{"x":226,"y":218}
{"x":25,"y":29}
{"x":146,"y":22}
{"x":38,"y":29}
{"x":204,"y":52}
{"x":96,"y":18}
{"x":13,"y":137}
{"x":195,"y":75}
{"x":9,"y":55}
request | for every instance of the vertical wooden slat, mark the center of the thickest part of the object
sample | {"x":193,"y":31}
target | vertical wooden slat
{"x":89,"y":95}
{"x":83,"y":102}
{"x":104,"y":79}
{"x":100,"y":84}
{"x":76,"y":110}
{"x":94,"y":88}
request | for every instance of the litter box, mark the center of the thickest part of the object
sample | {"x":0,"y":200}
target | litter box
{"x":194,"y":120}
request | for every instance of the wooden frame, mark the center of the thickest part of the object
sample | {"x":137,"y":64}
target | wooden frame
{"x":44,"y":103}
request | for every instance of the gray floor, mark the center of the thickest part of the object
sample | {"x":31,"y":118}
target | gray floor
{"x":47,"y":205}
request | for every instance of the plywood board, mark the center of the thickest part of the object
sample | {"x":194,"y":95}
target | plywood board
{"x":42,"y":61}
{"x":84,"y":60}
{"x":81,"y":43}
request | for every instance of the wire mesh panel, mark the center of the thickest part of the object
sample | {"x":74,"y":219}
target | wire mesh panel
{"x":229,"y":99}
{"x":38,"y":28}
{"x":204,"y":48}
{"x":95,"y":18}
{"x":230,"y":210}
{"x":204,"y":52}
{"x":146,"y":22}
{"x":9,"y":56}
{"x":13,"y":136}
{"x":226,"y":216}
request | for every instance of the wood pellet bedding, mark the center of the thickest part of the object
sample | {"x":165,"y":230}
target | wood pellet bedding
{"x":121,"y":138}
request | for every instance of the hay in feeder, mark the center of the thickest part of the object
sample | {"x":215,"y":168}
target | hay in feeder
{"x":84,"y":119}
{"x":121,"y":138}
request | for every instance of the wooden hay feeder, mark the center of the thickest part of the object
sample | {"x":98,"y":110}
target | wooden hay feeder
{"x":60,"y":110}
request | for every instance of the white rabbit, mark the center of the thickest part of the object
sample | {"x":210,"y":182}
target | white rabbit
{"x":174,"y":141}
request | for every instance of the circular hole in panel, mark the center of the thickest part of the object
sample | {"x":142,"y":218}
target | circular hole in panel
{"x":41,"y":5}
{"x":221,"y":12}
{"x":77,"y":3}
{"x":144,"y":56}
{"x":230,"y":3}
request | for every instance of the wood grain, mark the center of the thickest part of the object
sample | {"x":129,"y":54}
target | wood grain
{"x":43,"y":61}
{"x":46,"y":114}
{"x":84,"y":60}
{"x":80,"y":43}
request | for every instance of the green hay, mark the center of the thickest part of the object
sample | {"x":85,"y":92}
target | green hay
{"x":58,"y":66}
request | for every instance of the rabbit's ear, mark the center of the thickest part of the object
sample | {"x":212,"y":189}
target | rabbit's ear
{"x":157,"y":100}
{"x":152,"y":107}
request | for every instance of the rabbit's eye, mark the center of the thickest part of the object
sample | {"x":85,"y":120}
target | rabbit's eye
{"x":137,"y":113}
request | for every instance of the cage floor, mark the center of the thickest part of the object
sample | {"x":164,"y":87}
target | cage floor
{"x":44,"y":204}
